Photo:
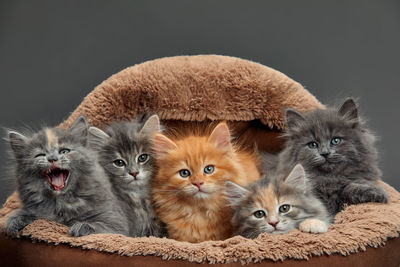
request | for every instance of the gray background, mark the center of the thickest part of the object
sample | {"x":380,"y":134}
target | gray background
{"x":53,"y":53}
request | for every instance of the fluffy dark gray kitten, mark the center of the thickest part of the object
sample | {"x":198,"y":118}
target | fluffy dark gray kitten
{"x":58,"y":179}
{"x":125,"y":153}
{"x":277,"y":204}
{"x":337,"y":152}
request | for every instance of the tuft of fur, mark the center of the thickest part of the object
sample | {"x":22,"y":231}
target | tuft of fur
{"x":193,"y":207}
{"x":257,"y":207}
{"x":80,"y":196}
{"x":343,"y":173}
{"x":125,"y":152}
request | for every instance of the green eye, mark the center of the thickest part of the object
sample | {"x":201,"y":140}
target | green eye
{"x":184,"y":173}
{"x":259,"y":214}
{"x":336,"y":140}
{"x":143,"y":158}
{"x":284,"y":208}
{"x":209,"y":169}
{"x":312,"y":145}
{"x":119,"y":163}
{"x":64,"y":151}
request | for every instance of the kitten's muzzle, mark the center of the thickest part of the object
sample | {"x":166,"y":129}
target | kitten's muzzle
{"x":57,"y":177}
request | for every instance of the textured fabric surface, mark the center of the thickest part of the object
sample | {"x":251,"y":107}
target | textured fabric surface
{"x":355,"y":228}
{"x":198,"y":88}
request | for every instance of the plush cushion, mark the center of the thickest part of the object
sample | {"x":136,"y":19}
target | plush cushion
{"x":252,"y":97}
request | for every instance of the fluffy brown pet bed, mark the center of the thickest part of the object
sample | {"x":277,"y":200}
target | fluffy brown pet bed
{"x":252,"y":98}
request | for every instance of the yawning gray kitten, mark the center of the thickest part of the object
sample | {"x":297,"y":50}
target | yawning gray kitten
{"x":125,"y":153}
{"x":58,"y":179}
{"x":338,"y":154}
{"x":276,"y":204}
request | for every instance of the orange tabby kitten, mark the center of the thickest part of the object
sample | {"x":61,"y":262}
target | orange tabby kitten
{"x":188,"y":187}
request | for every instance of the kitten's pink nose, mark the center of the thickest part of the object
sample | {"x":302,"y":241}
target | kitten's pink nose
{"x":198,"y":184}
{"x":134,"y":174}
{"x":273,"y":223}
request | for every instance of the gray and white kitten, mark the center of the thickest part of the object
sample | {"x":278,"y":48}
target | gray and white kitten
{"x":276,"y":204}
{"x":337,"y":152}
{"x":125,"y":153}
{"x":58,"y":179}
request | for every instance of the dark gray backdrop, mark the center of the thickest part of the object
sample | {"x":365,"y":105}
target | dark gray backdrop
{"x":53,"y":53}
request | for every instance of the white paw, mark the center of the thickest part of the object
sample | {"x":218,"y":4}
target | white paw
{"x":314,"y":226}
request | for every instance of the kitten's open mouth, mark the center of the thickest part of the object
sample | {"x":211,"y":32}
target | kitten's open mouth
{"x":57,"y":178}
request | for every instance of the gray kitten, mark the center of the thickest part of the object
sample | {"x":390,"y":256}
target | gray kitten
{"x":125,"y":153}
{"x":338,"y":154}
{"x":276,"y":204}
{"x":58,"y":179}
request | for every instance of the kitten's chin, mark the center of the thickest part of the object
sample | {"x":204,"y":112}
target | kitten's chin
{"x":327,"y":167}
{"x":277,"y":232}
{"x":201,"y":195}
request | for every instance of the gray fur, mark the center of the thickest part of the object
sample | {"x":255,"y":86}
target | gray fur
{"x":350,"y":172}
{"x":127,"y":141}
{"x":86,"y":203}
{"x":295,"y":189}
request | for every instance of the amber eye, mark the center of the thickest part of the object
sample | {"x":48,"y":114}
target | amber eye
{"x":119,"y":163}
{"x":64,"y":151}
{"x":184,"y":173}
{"x":284,"y":208}
{"x":209,"y":169}
{"x":259,"y":214}
{"x":312,"y":145}
{"x":142,"y":158}
{"x":336,"y":141}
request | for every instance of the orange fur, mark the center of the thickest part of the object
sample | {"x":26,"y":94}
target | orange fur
{"x":191,"y":215}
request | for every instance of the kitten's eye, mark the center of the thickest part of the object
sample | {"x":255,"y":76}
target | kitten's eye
{"x":119,"y":163}
{"x":143,"y":158}
{"x":184,"y":173}
{"x":64,"y":151}
{"x":284,"y":208}
{"x":40,"y":155}
{"x":259,"y":214}
{"x":312,"y":145}
{"x":336,"y":140}
{"x":209,"y":169}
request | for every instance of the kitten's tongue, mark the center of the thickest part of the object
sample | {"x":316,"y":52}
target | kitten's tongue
{"x":58,"y":180}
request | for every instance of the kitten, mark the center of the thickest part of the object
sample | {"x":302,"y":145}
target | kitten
{"x":125,"y":153}
{"x":338,"y":154}
{"x":58,"y":179}
{"x":276,"y":205}
{"x":188,"y":187}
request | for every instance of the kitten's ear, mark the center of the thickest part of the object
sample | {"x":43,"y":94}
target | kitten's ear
{"x":162,"y":145}
{"x":293,"y":118}
{"x":18,"y":142}
{"x":349,"y":109}
{"x":297,"y":178}
{"x":151,"y":126}
{"x":221,"y":137}
{"x":79,"y":127}
{"x":97,"y":138}
{"x":234,"y":193}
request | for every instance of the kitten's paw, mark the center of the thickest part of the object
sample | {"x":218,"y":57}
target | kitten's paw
{"x":377,"y":195}
{"x":17,"y":223}
{"x":373,"y":194}
{"x":81,"y":229}
{"x":314,"y":226}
